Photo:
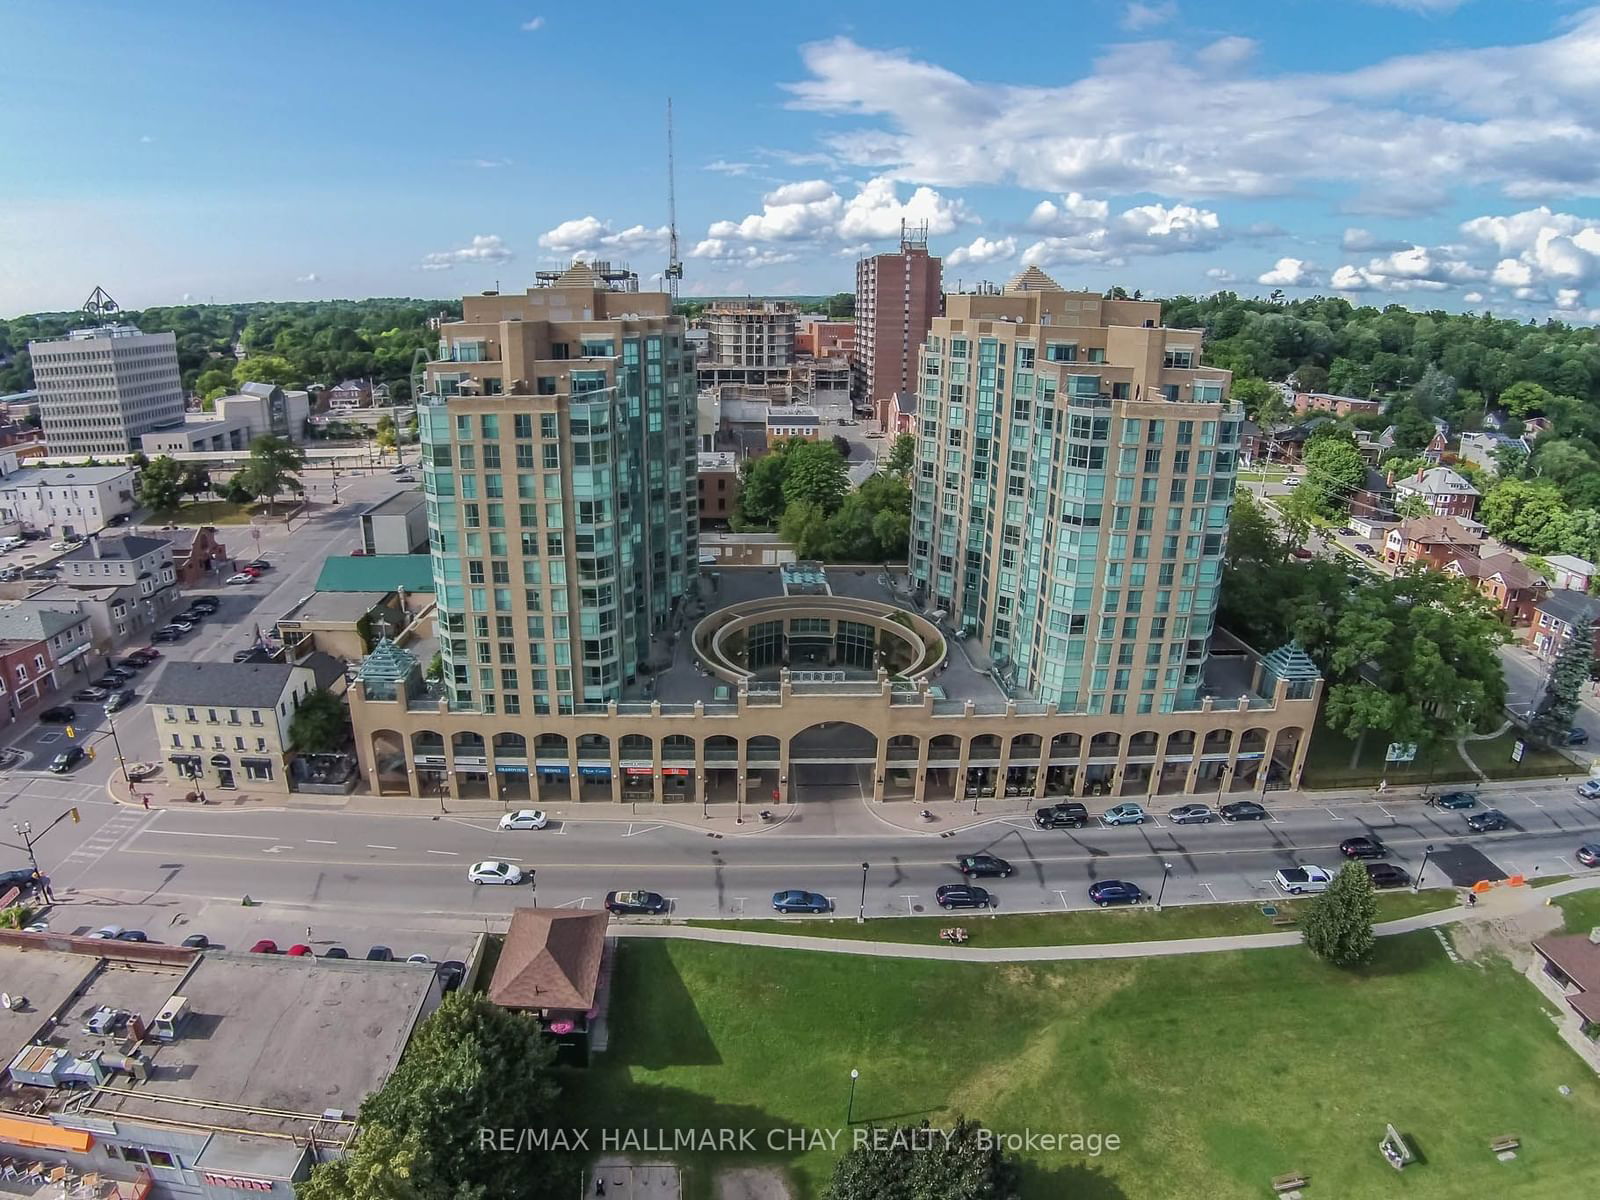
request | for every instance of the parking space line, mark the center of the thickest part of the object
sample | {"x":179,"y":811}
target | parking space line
{"x":910,"y":898}
{"x":1386,"y":813}
{"x":1335,"y":816}
{"x":1063,"y":895}
{"x":1210,"y":891}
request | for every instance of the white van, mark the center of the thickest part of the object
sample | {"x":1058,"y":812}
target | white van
{"x":12,"y":543}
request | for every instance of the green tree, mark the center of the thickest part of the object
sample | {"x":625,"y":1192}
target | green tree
{"x":1563,"y":693}
{"x":923,"y":1163}
{"x":381,"y":1164}
{"x":195,"y":480}
{"x":760,"y":504}
{"x":235,"y":491}
{"x":1526,"y":399}
{"x":1527,"y":513}
{"x":321,"y":725}
{"x":472,"y":1066}
{"x":386,"y":440}
{"x":805,"y":527}
{"x":1411,"y":505}
{"x":815,"y":473}
{"x":1255,"y":395}
{"x":138,"y":461}
{"x":1334,"y":471}
{"x":1510,"y":460}
{"x":213,"y":382}
{"x":1337,"y":925}
{"x":266,"y":368}
{"x":161,"y":485}
{"x":273,"y":468}
{"x":903,"y":455}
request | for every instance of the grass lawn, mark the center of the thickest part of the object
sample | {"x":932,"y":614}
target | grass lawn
{"x":1217,"y":1071}
{"x":1581,"y":910}
{"x":1328,"y":762}
{"x":1141,"y":923}
{"x":214,"y":512}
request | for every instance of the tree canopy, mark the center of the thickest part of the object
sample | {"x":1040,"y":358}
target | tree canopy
{"x":918,"y":1162}
{"x":320,"y":725}
{"x":161,"y":485}
{"x":273,"y":468}
{"x":1337,"y":924}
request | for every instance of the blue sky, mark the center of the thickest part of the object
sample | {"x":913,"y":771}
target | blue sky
{"x":1435,"y":152}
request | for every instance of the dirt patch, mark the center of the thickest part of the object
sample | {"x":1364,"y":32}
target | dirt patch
{"x":1509,"y":935}
{"x":753,"y":1183}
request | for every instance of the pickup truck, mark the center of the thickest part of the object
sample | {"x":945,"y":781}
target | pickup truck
{"x":1299,"y":880}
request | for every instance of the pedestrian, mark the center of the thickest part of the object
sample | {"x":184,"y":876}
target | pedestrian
{"x":308,"y":935}
{"x":146,"y":798}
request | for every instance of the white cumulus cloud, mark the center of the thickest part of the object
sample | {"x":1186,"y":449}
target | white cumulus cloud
{"x":982,"y":250}
{"x":484,"y":247}
{"x":1139,"y":16}
{"x":590,"y":236}
{"x":1288,"y":272}
{"x":1085,"y":231}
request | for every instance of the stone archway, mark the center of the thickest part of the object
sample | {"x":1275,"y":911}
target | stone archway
{"x":832,"y":760}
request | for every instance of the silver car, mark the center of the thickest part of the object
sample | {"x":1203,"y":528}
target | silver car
{"x":1191,"y":814}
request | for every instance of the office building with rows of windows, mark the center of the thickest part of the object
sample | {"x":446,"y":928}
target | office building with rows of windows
{"x":1053,"y":635}
{"x":102,"y":388}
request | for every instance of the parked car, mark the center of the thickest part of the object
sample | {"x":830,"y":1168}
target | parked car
{"x":380,"y":954}
{"x":119,"y":518}
{"x":90,"y":695}
{"x":1362,"y":847}
{"x":336,"y":952}
{"x":408,"y":477}
{"x":131,"y":665}
{"x":795,"y":901}
{"x":1366,"y":548}
{"x":1124,"y":814}
{"x":205,"y":604}
{"x":1191,"y":814}
{"x":240,"y":656}
{"x":1577,"y":737}
{"x":113,"y":679}
{"x":975,"y":866}
{"x":241,"y":577}
{"x":1589,"y":854}
{"x":1386,"y":875}
{"x":257,"y":564}
{"x":41,"y":573}
{"x":524,"y":818}
{"x":64,"y":545}
{"x":1115,"y":891}
{"x":264,"y":946}
{"x":1299,"y":880}
{"x":1589,"y":789}
{"x":149,"y":652}
{"x":61,"y":714}
{"x":962,"y":895}
{"x":168,"y":633}
{"x":299,"y":950}
{"x":1453,"y":800}
{"x":66,"y":760}
{"x":1487,"y":821}
{"x":452,"y":972}
{"x":196,"y":941}
{"x":182,"y":624}
{"x":1243,"y":810}
{"x":494,"y":872}
{"x":121,"y":700}
{"x":133,"y":935}
{"x":400,"y":470}
{"x":635,"y":902}
{"x":1067,"y":815}
{"x":107,"y":933}
{"x":1302,"y":552}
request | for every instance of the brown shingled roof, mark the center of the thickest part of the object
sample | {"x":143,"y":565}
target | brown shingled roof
{"x":550,"y":959}
{"x":1579,"y":960}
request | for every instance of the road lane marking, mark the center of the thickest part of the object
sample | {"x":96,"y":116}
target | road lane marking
{"x":372,"y":847}
{"x":240,"y":837}
{"x":321,"y":842}
{"x":1062,"y":896}
{"x":632,"y":832}
{"x":451,"y":853}
{"x":275,"y":849}
{"x":580,"y":902}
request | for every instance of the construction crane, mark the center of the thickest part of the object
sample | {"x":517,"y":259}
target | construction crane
{"x":674,"y":270}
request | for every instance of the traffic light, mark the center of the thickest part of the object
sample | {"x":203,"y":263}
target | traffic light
{"x":75,"y":817}
{"x":71,"y":732}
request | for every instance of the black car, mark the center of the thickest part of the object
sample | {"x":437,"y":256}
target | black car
{"x":61,"y":714}
{"x":41,"y":573}
{"x":22,"y":879}
{"x":240,"y":656}
{"x":963,"y":895}
{"x":1061,"y":816}
{"x":981,"y":865}
{"x":380,"y":954}
{"x":118,"y":518}
{"x":66,"y":760}
{"x":636,"y":902}
{"x":1362,"y":847}
{"x":259,"y":564}
{"x":131,"y":665}
{"x":1387,"y":875}
{"x":336,"y":952}
{"x":196,"y":941}
{"x":1243,"y":810}
{"x":205,"y":604}
{"x":168,"y":633}
{"x":121,"y":700}
{"x":1115,"y":891}
{"x":451,"y":973}
{"x":132,"y":935}
{"x":1454,"y":800}
{"x":1487,"y":821}
{"x":796,"y":901}
{"x":113,"y":679}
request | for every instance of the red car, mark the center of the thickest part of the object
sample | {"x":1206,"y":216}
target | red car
{"x":264,"y":946}
{"x":149,"y":652}
{"x":299,"y":950}
{"x":1301,"y":552}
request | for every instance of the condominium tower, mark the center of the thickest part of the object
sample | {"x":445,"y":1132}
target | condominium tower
{"x":897,"y":296}
{"x":100,"y":389}
{"x":1074,"y":478}
{"x":559,"y":463}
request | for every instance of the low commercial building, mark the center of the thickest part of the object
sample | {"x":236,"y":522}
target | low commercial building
{"x":718,"y":487}
{"x":64,"y":628}
{"x":1567,"y":969}
{"x":226,"y":725}
{"x":25,"y":677}
{"x":1555,"y":616}
{"x":198,"y":557}
{"x":197,"y":435}
{"x":398,"y":525}
{"x":66,"y":501}
{"x":792,"y":421}
{"x":342,"y":624}
{"x":1445,"y":492}
{"x":145,"y":1070}
{"x":267,"y":409}
{"x":406,"y":575}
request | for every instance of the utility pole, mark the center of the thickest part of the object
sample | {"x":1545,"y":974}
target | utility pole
{"x":24,"y":830}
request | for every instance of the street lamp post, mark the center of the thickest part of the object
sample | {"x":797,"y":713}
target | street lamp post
{"x":861,"y":917}
{"x":1417,"y":882}
{"x":117,"y":745}
{"x":850,"y":1106}
{"x":1166,"y":870}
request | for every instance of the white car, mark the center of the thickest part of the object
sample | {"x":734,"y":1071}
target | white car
{"x":241,"y":577}
{"x":494,"y":872}
{"x":65,"y":545}
{"x":1299,"y":880}
{"x":420,"y":960}
{"x":1589,"y":789}
{"x":524,"y":818}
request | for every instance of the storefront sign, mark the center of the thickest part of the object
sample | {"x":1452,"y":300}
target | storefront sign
{"x":511,"y":768}
{"x":553,"y":772}
{"x":594,"y":772}
{"x":240,"y":1182}
{"x":429,"y":760}
{"x":638,"y":772}
{"x":675,"y":770}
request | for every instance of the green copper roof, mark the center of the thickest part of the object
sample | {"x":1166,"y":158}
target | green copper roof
{"x":388,"y":663}
{"x":376,"y":573}
{"x":1291,"y":662}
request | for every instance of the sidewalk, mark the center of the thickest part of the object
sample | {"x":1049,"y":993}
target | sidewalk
{"x":1498,"y":904}
{"x":820,"y":819}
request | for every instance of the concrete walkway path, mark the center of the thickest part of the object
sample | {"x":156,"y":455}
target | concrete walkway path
{"x":1496,"y":904}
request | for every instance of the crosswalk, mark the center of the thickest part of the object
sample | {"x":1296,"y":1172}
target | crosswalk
{"x":107,"y":838}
